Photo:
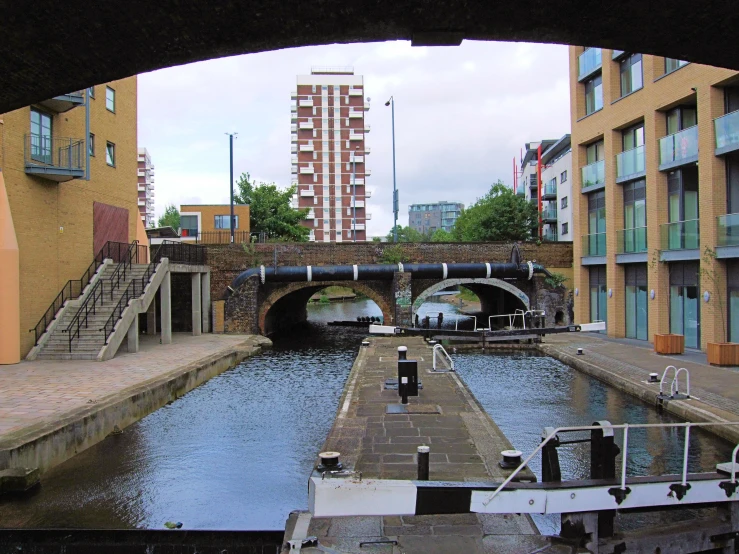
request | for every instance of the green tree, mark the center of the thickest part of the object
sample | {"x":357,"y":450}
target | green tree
{"x":170,"y":218}
{"x":406,"y":234}
{"x":270,"y":210}
{"x":440,"y":235}
{"x":500,"y":215}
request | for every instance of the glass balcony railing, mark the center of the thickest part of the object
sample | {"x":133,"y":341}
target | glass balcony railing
{"x":594,"y":174}
{"x":632,"y":241}
{"x":727,"y":131}
{"x":594,"y":245}
{"x":550,"y":189}
{"x":550,"y":235}
{"x":679,"y":147}
{"x":589,"y":61}
{"x":680,"y":235}
{"x":631,"y":163}
{"x":520,"y":191}
{"x":549,"y":213}
{"x":728,"y":230}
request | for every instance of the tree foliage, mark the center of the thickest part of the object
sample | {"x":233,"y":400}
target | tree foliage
{"x":440,"y":235}
{"x":170,"y":218}
{"x":500,"y":215}
{"x":406,"y":234}
{"x":270,"y":210}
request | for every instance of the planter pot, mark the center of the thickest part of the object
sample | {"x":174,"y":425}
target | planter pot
{"x":723,"y":353}
{"x":669,"y":344}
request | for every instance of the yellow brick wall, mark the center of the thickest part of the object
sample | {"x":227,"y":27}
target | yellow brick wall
{"x":208,"y":213}
{"x":649,"y":104}
{"x":53,"y":221}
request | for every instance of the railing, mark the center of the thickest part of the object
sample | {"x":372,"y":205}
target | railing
{"x":511,"y":319}
{"x":224,"y":237}
{"x":726,"y":128}
{"x":630,"y":163}
{"x":589,"y":61}
{"x":679,"y":147}
{"x":630,"y":241}
{"x":550,"y":236}
{"x":594,"y":244}
{"x":73,"y":329}
{"x":463,"y":316}
{"x":124,"y":265}
{"x":181,"y":253}
{"x":594,"y":174}
{"x":549,"y":213}
{"x":728,"y":230}
{"x":521,"y":190}
{"x":680,"y":235}
{"x":444,"y":356}
{"x":63,"y":153}
{"x":675,"y":383}
{"x":550,"y":189}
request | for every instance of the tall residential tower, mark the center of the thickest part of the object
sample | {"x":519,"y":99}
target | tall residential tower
{"x":328,"y":153}
{"x":146,"y":187}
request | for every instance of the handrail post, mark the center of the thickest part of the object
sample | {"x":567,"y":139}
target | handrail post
{"x":685,"y":454}
{"x":624,"y":456}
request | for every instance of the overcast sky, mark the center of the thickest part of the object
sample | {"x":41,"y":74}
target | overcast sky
{"x":461,"y":114}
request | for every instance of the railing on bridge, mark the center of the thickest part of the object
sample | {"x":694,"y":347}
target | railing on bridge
{"x":181,"y":253}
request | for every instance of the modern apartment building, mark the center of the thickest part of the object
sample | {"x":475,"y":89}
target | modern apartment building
{"x":210,"y":223}
{"x":146,"y":188}
{"x":68,"y":185}
{"x":328,"y":153}
{"x":427,"y":218}
{"x":656,"y":201}
{"x":555,"y":185}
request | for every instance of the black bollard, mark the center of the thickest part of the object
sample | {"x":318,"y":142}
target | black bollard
{"x":423,"y":463}
{"x":440,"y":319}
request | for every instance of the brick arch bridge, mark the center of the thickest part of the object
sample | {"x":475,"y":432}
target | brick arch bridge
{"x":496,"y":295}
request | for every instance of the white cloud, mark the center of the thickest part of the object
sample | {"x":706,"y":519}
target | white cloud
{"x":461,"y":115}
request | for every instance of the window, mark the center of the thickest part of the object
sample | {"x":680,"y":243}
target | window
{"x":635,"y":217}
{"x":41,"y":141}
{"x":633,"y":137}
{"x":110,"y":154}
{"x":636,"y":301}
{"x":684,"y":305}
{"x":671,"y":64}
{"x":683,"y":209}
{"x":110,"y":99}
{"x":565,"y":228}
{"x":563,"y":177}
{"x":563,"y":202}
{"x":91,"y":144}
{"x":314,"y":89}
{"x":596,"y":243}
{"x":631,"y":74}
{"x":593,"y":95}
{"x":221,"y":222}
{"x":598,"y":300}
{"x":681,"y":118}
{"x":189,"y":225}
{"x":91,"y":92}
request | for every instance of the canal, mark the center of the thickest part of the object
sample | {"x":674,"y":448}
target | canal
{"x":236,"y":452}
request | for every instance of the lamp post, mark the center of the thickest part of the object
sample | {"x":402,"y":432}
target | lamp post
{"x":391,"y":103}
{"x":231,"y":163}
{"x":354,"y":193}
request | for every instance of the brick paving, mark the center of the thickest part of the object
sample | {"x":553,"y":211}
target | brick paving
{"x":34,"y":392}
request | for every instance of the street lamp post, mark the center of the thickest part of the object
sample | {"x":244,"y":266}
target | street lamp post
{"x":391,"y":103}
{"x":231,"y":163}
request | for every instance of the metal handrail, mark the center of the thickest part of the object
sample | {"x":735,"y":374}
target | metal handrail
{"x":675,"y":383}
{"x":120,"y":271}
{"x":440,"y":349}
{"x":97,"y":291}
{"x":181,"y":252}
{"x":474,"y":323}
{"x":511,"y":319}
{"x":624,"y":456}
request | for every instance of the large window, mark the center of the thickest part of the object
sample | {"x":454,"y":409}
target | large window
{"x":563,"y":176}
{"x":683,"y":208}
{"x":684,"y":304}
{"x":633,"y":137}
{"x":593,"y":94}
{"x":636,"y":301}
{"x":110,"y":154}
{"x":189,"y":225}
{"x":597,"y":224}
{"x":671,"y":64}
{"x":221,"y":222}
{"x":110,"y":99}
{"x":681,"y":118}
{"x":91,"y":144}
{"x":631,"y":74}
{"x":732,"y":277}
{"x":598,"y":296}
{"x":41,"y":148}
{"x":595,"y":152}
{"x":635,"y":217}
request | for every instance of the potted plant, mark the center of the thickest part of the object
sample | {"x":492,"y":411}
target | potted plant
{"x":667,"y":343}
{"x":718,"y":353}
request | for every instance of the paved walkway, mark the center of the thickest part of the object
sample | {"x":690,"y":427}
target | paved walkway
{"x":44,"y":390}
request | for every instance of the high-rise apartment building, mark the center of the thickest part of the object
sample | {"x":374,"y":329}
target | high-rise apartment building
{"x":655,"y":156}
{"x":329,"y":151}
{"x":146,"y":188}
{"x":555,"y":185}
{"x":427,"y":218}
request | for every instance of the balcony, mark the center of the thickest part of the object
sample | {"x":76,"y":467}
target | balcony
{"x":358,"y":204}
{"x":64,"y":102}
{"x":521,"y":190}
{"x":728,"y":236}
{"x":306,"y":148}
{"x":549,"y":215}
{"x":366,"y":128}
{"x":310,"y":215}
{"x":358,"y":181}
{"x":631,"y":164}
{"x":294,"y":170}
{"x":367,"y":172}
{"x":294,"y":159}
{"x":550,"y":235}
{"x":294,"y":94}
{"x":294,"y":137}
{"x":367,"y":216}
{"x":631,"y":241}
{"x":306,"y":125}
{"x":356,"y":92}
{"x":354,"y":114}
{"x":293,"y":148}
{"x":594,"y":245}
{"x":589,"y":62}
{"x":356,"y":136}
{"x":678,"y":149}
{"x":366,"y":106}
{"x":367,"y":150}
{"x":533,"y":184}
{"x":358,"y":227}
{"x":306,"y":103}
{"x":307,"y":170}
{"x":727,"y":133}
{"x":368,"y":194}
{"x":307,"y":193}
{"x":358,"y":159}
{"x":294,"y":128}
{"x":53,"y":158}
{"x":142,"y":201}
{"x":294,"y":117}
{"x":682,"y":236}
{"x":550,"y":191}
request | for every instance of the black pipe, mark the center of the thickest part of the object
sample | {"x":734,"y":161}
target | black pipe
{"x":385,"y":272}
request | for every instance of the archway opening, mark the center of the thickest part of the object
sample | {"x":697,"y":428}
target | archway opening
{"x":339,"y":304}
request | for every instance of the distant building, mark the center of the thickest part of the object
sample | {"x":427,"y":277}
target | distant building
{"x":427,"y":218}
{"x":555,"y":185}
{"x":146,"y":188}
{"x":328,"y":153}
{"x":209,"y":223}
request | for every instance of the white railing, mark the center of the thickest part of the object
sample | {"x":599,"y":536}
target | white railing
{"x":511,"y":319}
{"x":462,"y":316}
{"x":675,"y":384}
{"x":444,"y":356}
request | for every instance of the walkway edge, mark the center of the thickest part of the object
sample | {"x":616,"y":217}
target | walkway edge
{"x":52,"y":442}
{"x":692,"y":410}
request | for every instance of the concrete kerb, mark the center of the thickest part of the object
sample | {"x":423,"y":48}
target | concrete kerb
{"x":691,"y":410}
{"x":50,"y":443}
{"x":69,"y":305}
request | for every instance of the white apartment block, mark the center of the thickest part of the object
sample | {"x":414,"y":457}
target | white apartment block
{"x":146,"y":187}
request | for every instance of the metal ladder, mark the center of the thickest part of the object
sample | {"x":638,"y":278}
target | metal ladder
{"x":444,"y":356}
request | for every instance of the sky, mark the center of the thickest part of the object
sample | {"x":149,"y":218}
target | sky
{"x":461,"y":115}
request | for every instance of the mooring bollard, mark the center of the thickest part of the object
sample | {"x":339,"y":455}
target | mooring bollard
{"x":407,"y":375}
{"x":402,"y":352}
{"x":423,"y":463}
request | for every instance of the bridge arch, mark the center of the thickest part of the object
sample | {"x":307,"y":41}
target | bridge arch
{"x":286,"y":305}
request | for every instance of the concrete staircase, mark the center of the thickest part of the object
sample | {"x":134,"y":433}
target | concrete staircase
{"x":91,"y":339}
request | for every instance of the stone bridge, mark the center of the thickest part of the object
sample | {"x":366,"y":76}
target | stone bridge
{"x":266,"y":307}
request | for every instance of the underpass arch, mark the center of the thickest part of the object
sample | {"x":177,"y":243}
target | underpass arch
{"x":492,"y":282}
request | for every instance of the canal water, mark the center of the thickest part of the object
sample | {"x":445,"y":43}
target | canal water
{"x":236,"y":452}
